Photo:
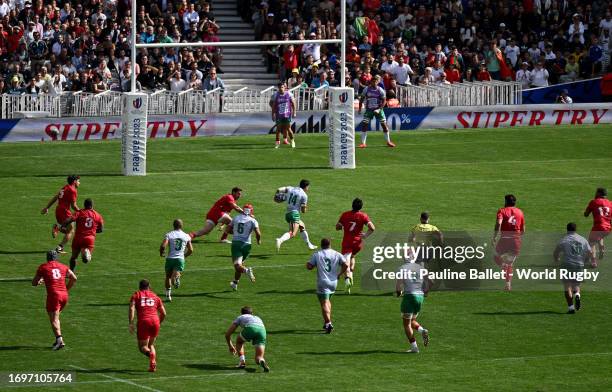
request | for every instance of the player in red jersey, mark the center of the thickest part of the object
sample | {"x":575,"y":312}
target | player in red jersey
{"x":219,"y":213}
{"x":66,"y":198}
{"x":509,"y":227}
{"x":88,"y":223}
{"x":151,"y":313}
{"x":601,"y":208}
{"x":53,"y":274}
{"x":353,"y":222}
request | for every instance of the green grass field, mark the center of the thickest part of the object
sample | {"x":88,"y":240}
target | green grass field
{"x":518,"y":341}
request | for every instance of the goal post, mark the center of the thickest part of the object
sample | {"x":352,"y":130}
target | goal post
{"x":134,"y":134}
{"x":341,"y":128}
{"x":134,"y":104}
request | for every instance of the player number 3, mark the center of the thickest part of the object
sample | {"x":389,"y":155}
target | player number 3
{"x":88,"y":222}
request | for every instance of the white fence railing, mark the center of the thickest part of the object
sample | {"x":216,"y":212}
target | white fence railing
{"x":461,"y":94}
{"x":163,"y":102}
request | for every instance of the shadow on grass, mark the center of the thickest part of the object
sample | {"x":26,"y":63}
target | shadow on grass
{"x":214,"y":366}
{"x":527,"y":313}
{"x":109,"y":304}
{"x":209,"y":295}
{"x":23,"y":252}
{"x":107,"y":370}
{"x":295,"y":332}
{"x":309,"y":291}
{"x":25,"y":348}
{"x":9,"y":280}
{"x":363,"y":352}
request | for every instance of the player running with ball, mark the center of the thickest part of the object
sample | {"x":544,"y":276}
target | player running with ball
{"x":180,"y":247}
{"x":353,"y":222}
{"x":151,"y":313}
{"x":253,"y":330}
{"x":376,"y":99}
{"x":242,"y":226}
{"x":66,"y":198}
{"x":297,"y":202}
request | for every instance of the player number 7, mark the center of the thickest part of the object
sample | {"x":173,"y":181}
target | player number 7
{"x":353,"y":224}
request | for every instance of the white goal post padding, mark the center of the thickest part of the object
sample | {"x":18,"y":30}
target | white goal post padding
{"x":134,"y":134}
{"x":341,"y":128}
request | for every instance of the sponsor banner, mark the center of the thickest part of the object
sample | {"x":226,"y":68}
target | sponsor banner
{"x":580,"y":91}
{"x":134,"y":135}
{"x":341,"y":128}
{"x":158,"y":127}
{"x":398,"y":119}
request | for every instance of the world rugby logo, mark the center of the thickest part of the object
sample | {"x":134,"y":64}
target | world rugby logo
{"x":137,"y":103}
{"x":343,"y":97}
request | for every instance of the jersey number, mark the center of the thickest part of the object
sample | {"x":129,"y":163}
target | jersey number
{"x":56,"y":273}
{"x":147,"y":302}
{"x":327,"y":263}
{"x":89,"y":222}
{"x":604,"y":211}
{"x":240,"y":228}
{"x":61,"y":194}
{"x":353,"y":224}
{"x":293,"y":199}
{"x":512,"y":220}
{"x":178,"y":244}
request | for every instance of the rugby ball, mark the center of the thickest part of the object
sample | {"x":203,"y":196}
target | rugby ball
{"x":280,"y":197}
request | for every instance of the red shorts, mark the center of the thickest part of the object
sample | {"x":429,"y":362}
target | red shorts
{"x":508,"y":245}
{"x":62,"y":215}
{"x":147,"y":329}
{"x":214,"y":215}
{"x":597,"y":234}
{"x":352,"y":245}
{"x":56,"y":302}
{"x":80,"y":243}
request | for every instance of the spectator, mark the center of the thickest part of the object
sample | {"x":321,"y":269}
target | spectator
{"x":453,"y":75}
{"x":523,"y":75}
{"x":483,"y":74}
{"x":194,"y":82}
{"x":177,"y":83}
{"x":539,"y":76}
{"x":571,"y":70}
{"x":213,"y":82}
{"x":321,"y":81}
{"x":402,"y":72}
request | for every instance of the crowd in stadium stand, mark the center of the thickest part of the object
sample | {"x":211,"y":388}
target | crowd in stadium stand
{"x":55,"y":46}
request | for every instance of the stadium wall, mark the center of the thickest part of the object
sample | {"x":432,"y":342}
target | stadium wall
{"x":399,"y":119}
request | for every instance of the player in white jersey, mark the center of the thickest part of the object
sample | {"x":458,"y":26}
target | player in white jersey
{"x":410,"y":286}
{"x":330,"y":265}
{"x":241,"y":227}
{"x":179,"y":246}
{"x":253,"y":330}
{"x":297,"y":203}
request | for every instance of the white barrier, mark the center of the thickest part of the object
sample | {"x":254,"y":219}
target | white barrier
{"x":461,"y":94}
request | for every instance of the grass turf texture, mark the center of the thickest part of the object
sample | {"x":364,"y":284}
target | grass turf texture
{"x":480,"y":340}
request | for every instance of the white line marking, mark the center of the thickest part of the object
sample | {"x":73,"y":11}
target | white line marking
{"x":484,"y":181}
{"x":160,"y":270}
{"x":118,"y":379}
